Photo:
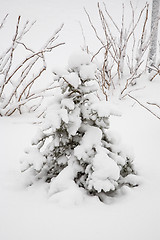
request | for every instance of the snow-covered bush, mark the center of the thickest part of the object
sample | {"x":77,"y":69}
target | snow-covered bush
{"x":75,"y":146}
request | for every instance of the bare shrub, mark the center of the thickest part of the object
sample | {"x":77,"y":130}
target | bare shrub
{"x":123,"y":48}
{"x":18,"y":77}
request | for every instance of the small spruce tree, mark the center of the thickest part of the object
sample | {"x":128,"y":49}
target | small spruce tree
{"x":75,"y":143}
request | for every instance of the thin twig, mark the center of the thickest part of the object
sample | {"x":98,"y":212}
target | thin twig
{"x":3,"y":21}
{"x":154,"y":104}
{"x":98,"y":52}
{"x":143,"y":106}
{"x":111,"y":18}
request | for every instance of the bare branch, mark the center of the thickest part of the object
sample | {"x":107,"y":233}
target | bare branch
{"x":144,"y":27}
{"x":143,"y":106}
{"x":136,"y":24}
{"x":93,"y":27}
{"x":13,"y":48}
{"x":28,"y":49}
{"x":3,"y":21}
{"x":111,"y":18}
{"x":32,"y":81}
{"x":154,"y":104}
{"x":98,"y":52}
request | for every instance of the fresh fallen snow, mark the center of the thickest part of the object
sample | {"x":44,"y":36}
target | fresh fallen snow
{"x":73,"y":79}
{"x":30,"y":212}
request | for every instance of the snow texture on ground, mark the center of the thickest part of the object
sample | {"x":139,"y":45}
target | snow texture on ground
{"x":29,"y":213}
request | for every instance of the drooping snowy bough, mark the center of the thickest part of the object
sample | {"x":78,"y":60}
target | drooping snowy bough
{"x":75,"y":146}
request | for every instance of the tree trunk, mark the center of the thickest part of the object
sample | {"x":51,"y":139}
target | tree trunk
{"x":154,"y":33}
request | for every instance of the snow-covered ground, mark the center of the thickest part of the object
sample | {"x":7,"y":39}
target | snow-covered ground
{"x":29,"y":213}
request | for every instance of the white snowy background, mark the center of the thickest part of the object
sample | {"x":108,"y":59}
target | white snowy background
{"x":29,"y":213}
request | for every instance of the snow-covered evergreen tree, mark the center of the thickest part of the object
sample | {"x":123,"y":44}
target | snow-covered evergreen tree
{"x":75,"y":146}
